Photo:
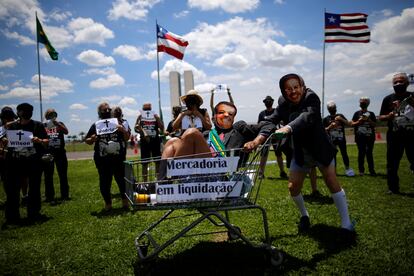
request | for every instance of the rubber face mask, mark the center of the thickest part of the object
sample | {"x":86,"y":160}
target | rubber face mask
{"x":225,"y":116}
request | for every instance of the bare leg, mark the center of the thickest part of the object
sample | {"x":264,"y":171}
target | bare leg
{"x":312,"y":177}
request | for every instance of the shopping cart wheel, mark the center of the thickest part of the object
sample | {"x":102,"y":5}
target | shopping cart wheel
{"x":274,"y":256}
{"x":144,"y":249}
{"x":232,"y":235}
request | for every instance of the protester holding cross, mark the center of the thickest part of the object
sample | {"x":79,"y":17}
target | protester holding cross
{"x":27,"y":142}
{"x":109,"y":137}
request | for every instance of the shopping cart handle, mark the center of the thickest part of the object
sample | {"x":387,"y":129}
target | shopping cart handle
{"x":279,"y":135}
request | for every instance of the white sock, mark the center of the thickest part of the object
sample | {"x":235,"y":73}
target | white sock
{"x":300,"y":203}
{"x":339,"y":199}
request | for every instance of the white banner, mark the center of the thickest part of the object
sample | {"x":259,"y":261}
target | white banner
{"x":106,"y":126}
{"x":170,"y":193}
{"x":179,"y":167}
{"x":19,"y":138}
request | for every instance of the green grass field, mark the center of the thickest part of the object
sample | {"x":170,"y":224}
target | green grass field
{"x":80,"y":240}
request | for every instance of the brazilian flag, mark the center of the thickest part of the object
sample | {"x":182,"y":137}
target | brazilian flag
{"x":42,"y":38}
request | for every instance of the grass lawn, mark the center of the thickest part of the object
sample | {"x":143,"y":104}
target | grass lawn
{"x":80,"y":240}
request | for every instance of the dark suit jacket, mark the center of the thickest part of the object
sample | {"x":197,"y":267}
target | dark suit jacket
{"x":307,"y":129}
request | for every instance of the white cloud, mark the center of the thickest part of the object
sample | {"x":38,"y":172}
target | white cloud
{"x":10,"y":62}
{"x":95,"y":58}
{"x":352,"y":92}
{"x":109,"y":99}
{"x":59,"y":15}
{"x":179,"y":66}
{"x":181,"y":14}
{"x":130,"y":112}
{"x":51,"y":87}
{"x":3,"y":87}
{"x":78,"y":106}
{"x":386,"y":31}
{"x":86,"y":30}
{"x":129,"y":52}
{"x":131,"y":9}
{"x":74,"y":118}
{"x":108,"y":81}
{"x":232,"y":61}
{"x":280,"y":2}
{"x":21,"y":13}
{"x":251,"y":81}
{"x":244,"y":42}
{"x":230,"y":6}
{"x":23,"y":40}
{"x":127,"y":101}
{"x":205,"y":87}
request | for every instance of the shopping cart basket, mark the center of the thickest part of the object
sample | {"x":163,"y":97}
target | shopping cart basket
{"x":212,"y":186}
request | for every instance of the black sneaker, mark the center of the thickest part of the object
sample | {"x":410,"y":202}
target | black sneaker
{"x":283,"y":175}
{"x":304,"y":224}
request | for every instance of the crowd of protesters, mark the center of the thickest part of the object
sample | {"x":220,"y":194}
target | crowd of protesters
{"x":312,"y":141}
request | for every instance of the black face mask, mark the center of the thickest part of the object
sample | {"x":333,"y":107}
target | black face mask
{"x":25,"y":115}
{"x":332,"y":111}
{"x":105,"y":114}
{"x":363,"y":105}
{"x":400,"y":88}
{"x":268,"y":104}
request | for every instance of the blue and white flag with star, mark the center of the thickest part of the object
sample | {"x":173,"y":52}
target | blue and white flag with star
{"x":348,"y":27}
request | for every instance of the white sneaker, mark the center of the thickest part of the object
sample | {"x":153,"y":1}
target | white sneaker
{"x":349,"y":172}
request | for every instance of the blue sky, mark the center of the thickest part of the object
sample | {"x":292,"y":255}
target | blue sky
{"x":107,"y":52}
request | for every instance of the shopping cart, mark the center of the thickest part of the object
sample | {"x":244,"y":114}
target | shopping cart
{"x":212,"y":186}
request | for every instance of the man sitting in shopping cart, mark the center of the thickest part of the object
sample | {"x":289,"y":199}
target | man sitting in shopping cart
{"x":224,"y":137}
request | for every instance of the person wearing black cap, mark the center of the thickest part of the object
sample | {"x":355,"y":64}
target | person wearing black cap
{"x":300,"y":108}
{"x":264,"y":116}
{"x":56,"y":131}
{"x":27,"y":142}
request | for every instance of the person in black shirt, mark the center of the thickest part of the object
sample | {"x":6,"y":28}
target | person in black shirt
{"x":24,"y":161}
{"x":300,"y":108}
{"x":364,"y":122}
{"x":285,"y":148}
{"x":149,"y":126}
{"x":109,"y":137}
{"x":56,"y":131}
{"x":398,"y":110}
{"x":176,"y":110}
{"x":335,"y":124}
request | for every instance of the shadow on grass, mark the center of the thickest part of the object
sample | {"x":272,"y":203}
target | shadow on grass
{"x":110,"y":213}
{"x":322,"y":199}
{"x":210,"y":258}
{"x":223,"y":258}
{"x":411,"y":195}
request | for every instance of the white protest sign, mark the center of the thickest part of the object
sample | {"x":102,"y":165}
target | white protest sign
{"x":19,"y":138}
{"x":221,"y":87}
{"x":106,"y":126}
{"x":170,"y":193}
{"x":177,"y":167}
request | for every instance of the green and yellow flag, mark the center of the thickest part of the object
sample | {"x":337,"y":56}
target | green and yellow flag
{"x":42,"y":38}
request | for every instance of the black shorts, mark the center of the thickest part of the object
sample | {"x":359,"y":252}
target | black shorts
{"x":151,"y":148}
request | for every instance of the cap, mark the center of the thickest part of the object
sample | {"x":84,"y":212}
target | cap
{"x":268,"y":98}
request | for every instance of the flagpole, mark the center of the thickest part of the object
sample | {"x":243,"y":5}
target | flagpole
{"x":158,"y":71}
{"x":38,"y":71}
{"x":323,"y":71}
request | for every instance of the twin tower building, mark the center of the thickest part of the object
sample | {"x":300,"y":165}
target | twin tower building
{"x":175,"y":86}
